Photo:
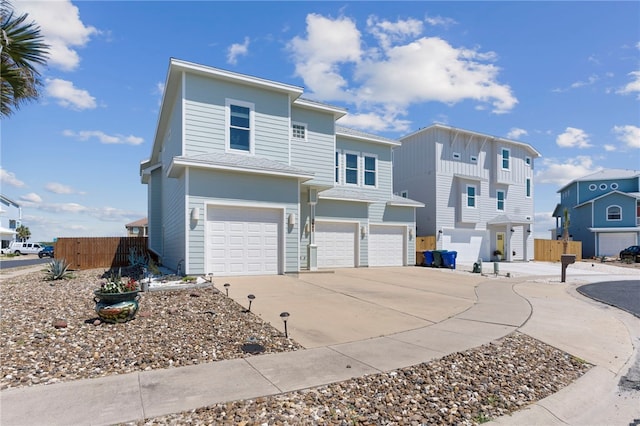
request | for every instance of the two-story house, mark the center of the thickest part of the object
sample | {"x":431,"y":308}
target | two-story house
{"x":478,"y":191}
{"x":137,"y":228}
{"x":247,"y":177}
{"x":604,"y":211}
{"x":10,"y":219}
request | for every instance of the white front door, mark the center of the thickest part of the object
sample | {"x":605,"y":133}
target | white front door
{"x":386,"y":245}
{"x":243,"y":241}
{"x":336,"y":243}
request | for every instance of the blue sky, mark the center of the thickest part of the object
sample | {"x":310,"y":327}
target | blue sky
{"x":561,"y":76}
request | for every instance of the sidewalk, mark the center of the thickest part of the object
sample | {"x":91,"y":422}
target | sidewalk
{"x":541,"y":308}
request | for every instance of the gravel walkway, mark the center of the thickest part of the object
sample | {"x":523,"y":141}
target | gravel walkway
{"x":196,"y":326}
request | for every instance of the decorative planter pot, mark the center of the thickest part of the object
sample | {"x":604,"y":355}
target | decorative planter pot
{"x":116,"y":307}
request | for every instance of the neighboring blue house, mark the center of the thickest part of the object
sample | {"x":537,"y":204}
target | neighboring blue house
{"x":246,"y":177}
{"x":604,"y":211}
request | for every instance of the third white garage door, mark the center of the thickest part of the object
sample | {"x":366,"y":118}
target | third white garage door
{"x":243,"y":241}
{"x":336,"y":244}
{"x":386,"y":245}
{"x":612,"y":242}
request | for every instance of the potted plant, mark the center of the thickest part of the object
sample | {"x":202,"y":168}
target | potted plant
{"x":117,"y":298}
{"x":498,"y":254}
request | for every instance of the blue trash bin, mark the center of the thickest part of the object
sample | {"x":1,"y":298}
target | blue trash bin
{"x":449,"y":259}
{"x":428,"y":258}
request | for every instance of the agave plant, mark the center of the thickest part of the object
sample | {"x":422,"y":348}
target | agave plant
{"x":58,"y":269}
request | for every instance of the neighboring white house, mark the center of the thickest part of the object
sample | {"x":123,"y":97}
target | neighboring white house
{"x":478,"y":190}
{"x":10,"y":219}
{"x":246,"y":177}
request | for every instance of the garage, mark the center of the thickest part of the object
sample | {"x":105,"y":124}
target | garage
{"x":336,"y":243}
{"x":243,"y":241}
{"x":386,"y":245}
{"x":610,"y":243}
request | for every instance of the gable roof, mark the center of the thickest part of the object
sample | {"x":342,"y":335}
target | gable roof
{"x":635,"y":195}
{"x":140,"y":222}
{"x":604,"y":174}
{"x":526,"y":146}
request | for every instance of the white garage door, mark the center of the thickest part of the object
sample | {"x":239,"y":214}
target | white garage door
{"x":243,"y":241}
{"x":336,"y":244}
{"x":386,"y":245}
{"x":611,"y":243}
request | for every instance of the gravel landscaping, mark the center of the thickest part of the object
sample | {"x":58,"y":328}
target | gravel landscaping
{"x":50,"y":334}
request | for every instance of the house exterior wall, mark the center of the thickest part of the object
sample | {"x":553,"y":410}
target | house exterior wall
{"x":234,"y":189}
{"x":438,"y":164}
{"x":316,"y":153}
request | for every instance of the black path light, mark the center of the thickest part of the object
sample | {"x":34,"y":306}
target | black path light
{"x":285,"y":317}
{"x":250,"y":297}
{"x":226,"y":288}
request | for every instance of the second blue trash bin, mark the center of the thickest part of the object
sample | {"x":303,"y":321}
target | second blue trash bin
{"x":449,"y":259}
{"x":428,"y":258}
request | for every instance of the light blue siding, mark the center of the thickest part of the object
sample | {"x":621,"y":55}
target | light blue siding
{"x":316,"y":154}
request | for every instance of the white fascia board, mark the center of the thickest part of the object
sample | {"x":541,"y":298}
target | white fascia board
{"x":336,"y":111}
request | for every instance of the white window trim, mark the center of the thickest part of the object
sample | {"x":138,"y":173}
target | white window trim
{"x":613,"y":186}
{"x":344,"y":168}
{"x":456,"y":156}
{"x":528,"y":161}
{"x":338,"y":181}
{"x":473,"y":158}
{"x":404,"y":194}
{"x":607,"y":213}
{"x":227,"y":142}
{"x":529,"y":188}
{"x":502,"y":150}
{"x":504,"y":200}
{"x":303,"y":125}
{"x":602,"y":186}
{"x":475,"y":197}
{"x":593,"y":187}
{"x":376,"y":171}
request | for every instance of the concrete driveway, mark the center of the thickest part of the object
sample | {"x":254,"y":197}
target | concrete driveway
{"x":348,"y":305}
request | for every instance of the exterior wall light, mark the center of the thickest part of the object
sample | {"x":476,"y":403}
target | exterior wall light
{"x":195,"y":214}
{"x":363,"y":231}
{"x":292,"y":219}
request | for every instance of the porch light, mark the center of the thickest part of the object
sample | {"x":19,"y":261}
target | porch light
{"x":363,"y":231}
{"x":410,"y":233}
{"x":195,"y":214}
{"x":292,"y":219}
{"x":513,"y":230}
{"x":285,"y":317}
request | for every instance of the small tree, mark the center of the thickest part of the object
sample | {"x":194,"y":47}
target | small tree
{"x":565,"y":231}
{"x":23,"y":233}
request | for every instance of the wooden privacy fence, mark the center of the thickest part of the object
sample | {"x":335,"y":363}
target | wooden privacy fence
{"x":101,"y":252}
{"x":423,"y":244}
{"x":551,"y":250}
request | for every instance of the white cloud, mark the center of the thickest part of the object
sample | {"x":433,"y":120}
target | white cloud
{"x":628,"y":134}
{"x":633,"y":86}
{"x":62,"y":29}
{"x":10,"y":178}
{"x":573,"y":138}
{"x":436,"y":21}
{"x":375,"y":122}
{"x":560,"y":174}
{"x":609,"y":148}
{"x":85,"y":135}
{"x":395,"y":70}
{"x":59,"y":188}
{"x":31,"y":198}
{"x":69,"y":96}
{"x":236,"y":50}
{"x":580,"y":83}
{"x":516,"y":133}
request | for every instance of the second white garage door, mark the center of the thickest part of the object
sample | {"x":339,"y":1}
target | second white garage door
{"x":610,"y":243}
{"x":243,"y":241}
{"x":386,"y":245}
{"x":336,"y":244}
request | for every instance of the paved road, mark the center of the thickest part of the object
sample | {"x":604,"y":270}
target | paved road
{"x":621,"y":294}
{"x":27,"y":261}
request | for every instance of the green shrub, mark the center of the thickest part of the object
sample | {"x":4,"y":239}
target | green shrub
{"x":58,"y":269}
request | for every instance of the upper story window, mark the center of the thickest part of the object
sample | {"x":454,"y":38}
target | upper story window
{"x":299,"y":131}
{"x":404,"y":194}
{"x":614,"y":186}
{"x":500,"y":200}
{"x":614,"y":213}
{"x":506,"y":154}
{"x":473,"y":158}
{"x":456,"y":155}
{"x":351,"y":169}
{"x":527,"y":161}
{"x":471,"y":196}
{"x":603,"y":186}
{"x":13,"y":224}
{"x":370,"y":170}
{"x":593,"y":187}
{"x":528,"y":188}
{"x":337,"y":167}
{"x":240,"y":126}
